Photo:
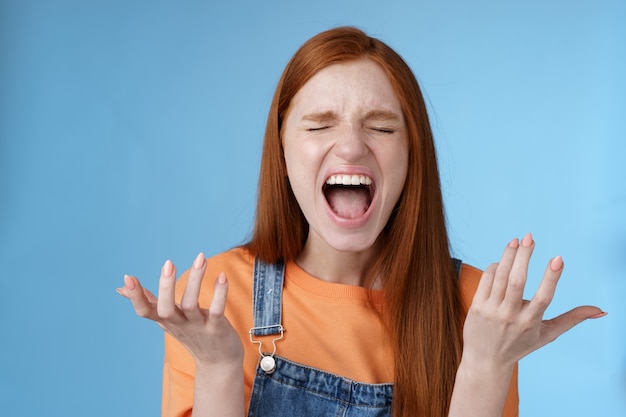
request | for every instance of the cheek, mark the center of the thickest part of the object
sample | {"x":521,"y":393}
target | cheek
{"x":397,"y":175}
{"x":293,"y":162}
{"x":395,"y":164}
{"x":402,"y":160}
{"x":302,"y":157}
{"x":298,"y":172}
{"x":404,"y":168}
{"x":288,"y":153}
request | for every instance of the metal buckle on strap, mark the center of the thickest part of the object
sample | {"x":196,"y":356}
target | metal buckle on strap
{"x":267,"y":362}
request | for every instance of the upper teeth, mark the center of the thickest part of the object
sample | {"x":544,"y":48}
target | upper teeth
{"x":349,"y":180}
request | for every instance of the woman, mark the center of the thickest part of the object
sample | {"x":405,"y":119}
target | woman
{"x":346,"y":299}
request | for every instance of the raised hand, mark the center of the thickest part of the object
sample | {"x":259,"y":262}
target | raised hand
{"x":501,"y":326}
{"x":206,"y":333}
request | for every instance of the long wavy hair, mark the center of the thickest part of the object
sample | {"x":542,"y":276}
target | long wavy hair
{"x":423,"y":311}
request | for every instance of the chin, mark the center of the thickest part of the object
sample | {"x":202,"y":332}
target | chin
{"x":351,"y":243}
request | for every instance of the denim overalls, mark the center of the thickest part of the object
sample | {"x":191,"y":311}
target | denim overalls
{"x":288,"y":389}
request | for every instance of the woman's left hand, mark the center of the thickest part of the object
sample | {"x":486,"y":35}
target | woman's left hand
{"x":501,"y":327}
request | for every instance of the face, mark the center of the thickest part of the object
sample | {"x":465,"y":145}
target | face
{"x":346,"y":152}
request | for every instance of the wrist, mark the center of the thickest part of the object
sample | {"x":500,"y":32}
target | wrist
{"x":218,"y":389}
{"x":229,"y":368}
{"x":485,"y":368}
{"x":480,"y":388}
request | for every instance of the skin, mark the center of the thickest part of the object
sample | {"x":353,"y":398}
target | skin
{"x":345,"y":120}
{"x":206,"y":333}
{"x":501,"y":328}
{"x":350,"y":136}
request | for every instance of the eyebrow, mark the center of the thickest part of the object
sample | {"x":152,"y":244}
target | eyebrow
{"x":383,"y":115}
{"x":327,"y":116}
{"x":320,"y":117}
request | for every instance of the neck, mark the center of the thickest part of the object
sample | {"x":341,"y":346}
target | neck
{"x":341,"y":267}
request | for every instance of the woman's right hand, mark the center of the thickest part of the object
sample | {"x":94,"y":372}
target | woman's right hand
{"x":206,"y":333}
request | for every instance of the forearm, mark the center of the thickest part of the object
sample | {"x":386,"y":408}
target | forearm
{"x":218,"y":392}
{"x":480,"y":390}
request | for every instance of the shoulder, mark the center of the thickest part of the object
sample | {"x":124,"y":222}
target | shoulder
{"x":469,"y":278}
{"x":233,"y":259}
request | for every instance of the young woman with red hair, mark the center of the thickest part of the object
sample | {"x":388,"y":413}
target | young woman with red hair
{"x":346,"y":300}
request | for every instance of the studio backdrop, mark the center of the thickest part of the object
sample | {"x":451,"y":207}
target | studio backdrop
{"x":130,"y":133}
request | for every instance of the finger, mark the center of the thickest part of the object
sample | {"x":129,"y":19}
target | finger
{"x":166,"y":303}
{"x":484,"y":285}
{"x":557,"y":326}
{"x":519,"y":271}
{"x":545,"y":293}
{"x":124,"y":293}
{"x":218,"y":303}
{"x":189,"y":302}
{"x":501,"y":278}
{"x":143,"y":307}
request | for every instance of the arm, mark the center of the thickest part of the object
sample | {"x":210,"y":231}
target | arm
{"x":208,"y":336}
{"x":501,"y":328}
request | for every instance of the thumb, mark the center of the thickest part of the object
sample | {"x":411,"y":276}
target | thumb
{"x":555,"y":327}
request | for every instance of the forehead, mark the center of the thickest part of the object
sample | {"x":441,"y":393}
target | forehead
{"x":351,"y":86}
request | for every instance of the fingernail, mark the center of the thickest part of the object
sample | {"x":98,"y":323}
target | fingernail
{"x":129,"y":282}
{"x":597,"y":316}
{"x":527,"y":240}
{"x":221,"y":278}
{"x":168,"y":269}
{"x":514,"y":243}
{"x":198,"y":263}
{"x":556,"y":264}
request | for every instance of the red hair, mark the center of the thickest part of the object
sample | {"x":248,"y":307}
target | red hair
{"x":423,"y":308}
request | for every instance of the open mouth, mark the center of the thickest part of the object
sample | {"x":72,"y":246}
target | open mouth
{"x":349,"y":196}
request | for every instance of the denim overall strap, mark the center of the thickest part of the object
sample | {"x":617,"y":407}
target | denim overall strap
{"x":267,"y":298}
{"x":457,"y":266}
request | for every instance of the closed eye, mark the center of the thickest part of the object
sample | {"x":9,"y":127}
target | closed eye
{"x":317,"y":129}
{"x":383,"y":130}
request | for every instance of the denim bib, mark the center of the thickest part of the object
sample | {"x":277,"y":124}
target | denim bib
{"x":286,"y":389}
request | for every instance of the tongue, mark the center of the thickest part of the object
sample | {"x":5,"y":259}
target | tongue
{"x":348,"y":202}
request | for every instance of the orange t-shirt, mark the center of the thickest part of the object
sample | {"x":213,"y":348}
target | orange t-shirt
{"x":328,"y":326}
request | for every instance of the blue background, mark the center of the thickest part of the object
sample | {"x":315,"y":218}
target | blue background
{"x":131,"y":133}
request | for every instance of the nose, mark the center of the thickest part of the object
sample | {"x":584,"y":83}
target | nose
{"x":351,"y":144}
